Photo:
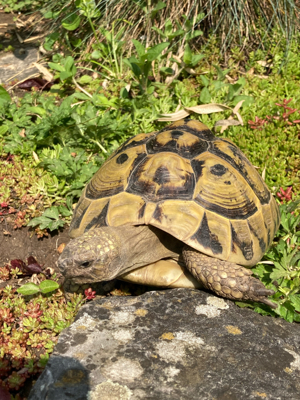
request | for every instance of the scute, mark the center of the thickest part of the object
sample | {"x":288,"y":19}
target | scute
{"x":178,"y":217}
{"x":77,"y":225}
{"x":183,"y":143}
{"x":212,"y":236}
{"x":185,"y":181}
{"x":112,"y":178}
{"x":241,"y":241}
{"x":163,"y":176}
{"x":223,"y":190}
{"x":135,"y":141}
{"x":88,"y":214}
{"x":124,"y":209}
{"x":232,"y":154}
{"x":259,"y":234}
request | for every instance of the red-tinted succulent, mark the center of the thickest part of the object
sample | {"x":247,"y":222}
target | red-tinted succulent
{"x":258,"y":123}
{"x":285,"y":195}
{"x":287,"y":111}
{"x":89,"y":294}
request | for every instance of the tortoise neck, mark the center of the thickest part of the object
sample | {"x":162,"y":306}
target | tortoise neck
{"x":142,"y":245}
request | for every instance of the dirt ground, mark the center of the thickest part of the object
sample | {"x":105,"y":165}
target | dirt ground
{"x":24,"y":243}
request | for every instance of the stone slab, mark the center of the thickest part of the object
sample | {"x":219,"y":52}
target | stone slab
{"x":172,"y":345}
{"x":17,"y":65}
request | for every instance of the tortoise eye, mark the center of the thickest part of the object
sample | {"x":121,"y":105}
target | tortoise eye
{"x":85,"y":264}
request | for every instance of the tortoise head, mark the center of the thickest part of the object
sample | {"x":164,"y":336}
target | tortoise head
{"x":92,"y":257}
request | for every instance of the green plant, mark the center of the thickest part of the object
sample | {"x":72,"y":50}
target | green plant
{"x":4,"y":97}
{"x":44,"y":287}
{"x":66,"y":68}
{"x":9,"y":48}
{"x":25,"y":190}
{"x":217,"y":89}
{"x":24,"y":5}
{"x":280,"y":268}
{"x":141,"y":65}
{"x":246,"y":24}
{"x":71,"y":166}
{"x":30,"y":326}
{"x":111,"y":52}
{"x":50,"y":219}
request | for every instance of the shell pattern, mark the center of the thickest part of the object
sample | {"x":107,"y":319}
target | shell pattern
{"x":185,"y":181}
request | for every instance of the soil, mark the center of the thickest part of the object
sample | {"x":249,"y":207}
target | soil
{"x":23,"y":243}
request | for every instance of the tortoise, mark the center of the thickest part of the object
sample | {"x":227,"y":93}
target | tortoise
{"x":176,"y":208}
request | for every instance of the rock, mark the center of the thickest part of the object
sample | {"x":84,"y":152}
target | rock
{"x":173,"y":344}
{"x":18,"y":64}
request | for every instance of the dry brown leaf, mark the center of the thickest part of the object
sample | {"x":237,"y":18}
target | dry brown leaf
{"x":34,"y":279}
{"x":19,"y":24}
{"x":263,"y":174}
{"x":231,"y":80}
{"x":238,"y":106}
{"x":22,"y":133}
{"x":19,"y":38}
{"x":35,"y":156}
{"x":42,"y":50}
{"x":235,"y":111}
{"x":208,"y":108}
{"x":251,"y":72}
{"x":262,"y":76}
{"x":34,"y":38}
{"x":44,"y":71}
{"x":178,"y":107}
{"x":174,"y":117}
{"x":205,"y":109}
{"x":264,"y":63}
{"x":61,"y":247}
{"x":191,"y":71}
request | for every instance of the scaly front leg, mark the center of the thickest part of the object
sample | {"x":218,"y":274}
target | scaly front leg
{"x":225,"y":278}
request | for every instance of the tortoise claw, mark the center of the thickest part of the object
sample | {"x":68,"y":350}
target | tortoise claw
{"x":267,"y":302}
{"x":258,"y":292}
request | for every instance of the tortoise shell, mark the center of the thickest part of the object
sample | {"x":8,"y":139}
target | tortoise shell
{"x":185,"y":181}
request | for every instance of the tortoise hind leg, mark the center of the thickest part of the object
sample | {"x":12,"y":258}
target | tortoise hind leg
{"x":226,"y":278}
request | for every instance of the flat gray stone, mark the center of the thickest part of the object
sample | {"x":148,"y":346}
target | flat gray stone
{"x":18,"y":62}
{"x":173,"y":344}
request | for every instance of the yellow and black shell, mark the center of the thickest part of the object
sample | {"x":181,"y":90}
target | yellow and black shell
{"x":185,"y":181}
